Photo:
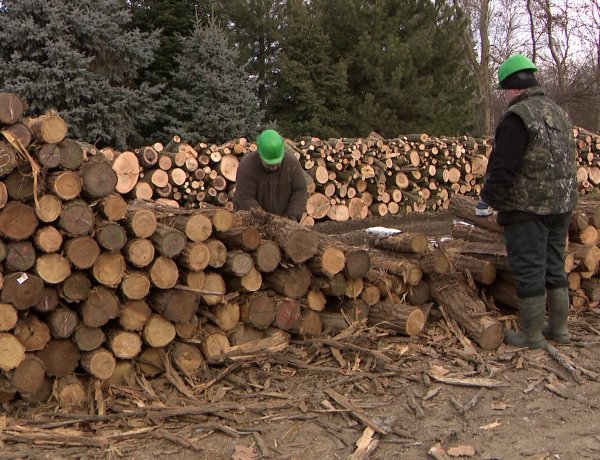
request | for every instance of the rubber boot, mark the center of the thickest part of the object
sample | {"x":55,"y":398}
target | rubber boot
{"x":532,"y":310}
{"x":557,"y":303}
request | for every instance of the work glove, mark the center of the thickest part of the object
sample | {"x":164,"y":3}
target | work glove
{"x":482,"y":209}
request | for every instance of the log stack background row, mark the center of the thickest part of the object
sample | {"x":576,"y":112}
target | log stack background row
{"x":348,"y":178}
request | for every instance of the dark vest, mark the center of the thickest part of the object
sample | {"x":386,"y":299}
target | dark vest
{"x":546,"y":182}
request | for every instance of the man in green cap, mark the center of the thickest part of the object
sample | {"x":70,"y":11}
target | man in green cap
{"x":271,"y":179}
{"x":531,"y":182}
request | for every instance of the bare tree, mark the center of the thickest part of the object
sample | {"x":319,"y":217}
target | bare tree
{"x":478,"y":12}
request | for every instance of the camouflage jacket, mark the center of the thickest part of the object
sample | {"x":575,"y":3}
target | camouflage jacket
{"x":546,"y":181}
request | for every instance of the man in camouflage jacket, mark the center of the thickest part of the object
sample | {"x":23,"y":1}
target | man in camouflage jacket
{"x":531,"y":181}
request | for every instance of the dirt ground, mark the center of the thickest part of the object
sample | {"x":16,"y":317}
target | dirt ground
{"x":315,"y":399}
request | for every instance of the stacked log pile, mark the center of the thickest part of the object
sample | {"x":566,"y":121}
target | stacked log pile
{"x":97,"y":287}
{"x":480,"y":240}
{"x":348,"y":178}
{"x":105,"y":274}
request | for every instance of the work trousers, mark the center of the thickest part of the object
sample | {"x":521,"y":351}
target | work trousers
{"x":536,"y":253}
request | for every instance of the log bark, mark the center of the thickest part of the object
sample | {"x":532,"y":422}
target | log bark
{"x":409,"y":271}
{"x":175,"y":305}
{"x":412,"y":243}
{"x":399,"y":318}
{"x":467,"y":310}
{"x":297,"y":243}
{"x":464,"y":207}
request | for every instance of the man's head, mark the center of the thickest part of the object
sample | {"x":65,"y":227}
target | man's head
{"x":515,"y":75}
{"x":270,"y":148}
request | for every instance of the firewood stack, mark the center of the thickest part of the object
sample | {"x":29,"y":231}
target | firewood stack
{"x":348,"y":178}
{"x":98,"y":287}
{"x":480,"y":240}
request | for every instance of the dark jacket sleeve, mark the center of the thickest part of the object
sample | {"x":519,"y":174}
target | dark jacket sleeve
{"x":510,"y":143}
{"x":244,"y":198}
{"x":299,"y":196}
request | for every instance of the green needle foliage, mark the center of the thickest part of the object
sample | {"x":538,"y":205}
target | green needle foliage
{"x":81,"y":58}
{"x":212,"y":98}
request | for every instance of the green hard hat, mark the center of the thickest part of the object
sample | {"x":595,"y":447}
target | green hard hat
{"x":513,"y":64}
{"x":270,"y":146}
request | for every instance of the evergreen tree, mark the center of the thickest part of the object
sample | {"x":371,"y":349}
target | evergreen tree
{"x":173,"y":18}
{"x":310,"y":95}
{"x":212,"y":96}
{"x":406,"y":67}
{"x":78,"y":57}
{"x":254,"y":26}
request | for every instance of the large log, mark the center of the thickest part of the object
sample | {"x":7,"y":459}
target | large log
{"x":464,"y":207}
{"x":18,"y":221}
{"x":467,"y":310}
{"x":176,"y":305}
{"x":11,"y":108}
{"x":400,"y":318}
{"x":291,"y":282}
{"x":297,"y":242}
{"x":22,"y":290}
{"x":99,"y":362}
{"x":60,"y":357}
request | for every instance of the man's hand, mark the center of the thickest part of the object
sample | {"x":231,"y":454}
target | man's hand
{"x":482,"y":209}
